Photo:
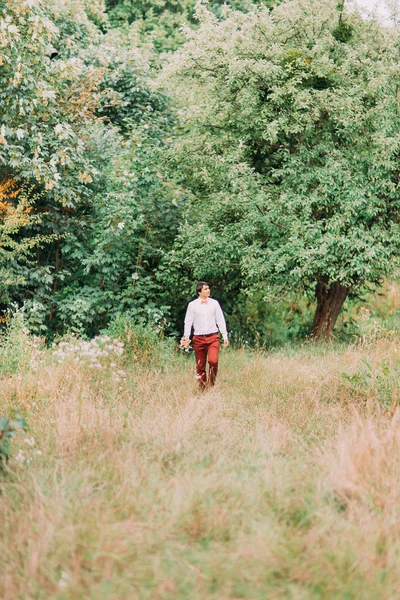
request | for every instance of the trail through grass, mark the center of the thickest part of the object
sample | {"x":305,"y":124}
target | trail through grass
{"x":281,"y":482}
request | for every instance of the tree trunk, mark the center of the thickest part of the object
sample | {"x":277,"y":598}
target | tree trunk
{"x":330,"y":299}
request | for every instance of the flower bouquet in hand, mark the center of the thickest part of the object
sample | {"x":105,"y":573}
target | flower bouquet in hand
{"x":185,"y":345}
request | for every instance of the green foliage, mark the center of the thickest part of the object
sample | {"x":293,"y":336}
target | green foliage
{"x":91,"y":253}
{"x":285,"y":170}
{"x":290,"y":149}
{"x":374,"y":381}
{"x":19,"y":351}
{"x":142,"y":344}
{"x":165,"y":20}
{"x":110,"y":256}
{"x":128,"y":99}
{"x":9,"y":429}
{"x":45,"y":103}
{"x":46,"y":167}
{"x":16,"y":215}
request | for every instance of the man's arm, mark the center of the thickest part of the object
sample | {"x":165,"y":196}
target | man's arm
{"x":220,"y":321}
{"x":188,"y":322}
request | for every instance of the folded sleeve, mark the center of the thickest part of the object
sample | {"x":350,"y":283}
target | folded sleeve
{"x":220,"y":321}
{"x":188,"y":321}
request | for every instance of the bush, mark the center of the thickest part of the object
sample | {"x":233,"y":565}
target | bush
{"x":142,"y":344}
{"x":377,"y":379}
{"x":8,"y":429}
{"x":19,"y":351}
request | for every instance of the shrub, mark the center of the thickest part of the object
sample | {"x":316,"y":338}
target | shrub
{"x":8,"y":429}
{"x":19,"y":351}
{"x":143,"y":344}
{"x":374,"y":380}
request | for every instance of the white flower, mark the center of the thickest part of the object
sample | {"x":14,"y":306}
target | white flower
{"x":121,"y":225}
{"x":30,"y":441}
{"x":365,"y":313}
{"x":65,"y":580}
{"x":58,"y":128}
{"x":20,"y":134}
{"x":39,"y":452}
{"x":57,"y":176}
{"x":20,"y":457}
{"x":50,"y":94}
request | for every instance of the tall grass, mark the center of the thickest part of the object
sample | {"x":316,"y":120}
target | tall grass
{"x":281,"y":482}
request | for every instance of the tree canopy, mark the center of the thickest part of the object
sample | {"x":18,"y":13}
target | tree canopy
{"x":291,"y":150}
{"x":263,"y":158}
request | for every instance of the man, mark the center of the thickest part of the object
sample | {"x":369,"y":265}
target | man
{"x":206,"y":317}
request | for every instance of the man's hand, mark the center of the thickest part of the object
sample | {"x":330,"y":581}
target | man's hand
{"x":226,"y":343}
{"x":185,"y":342}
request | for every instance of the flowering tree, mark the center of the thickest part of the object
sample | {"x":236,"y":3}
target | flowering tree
{"x":166,"y":19}
{"x":45,"y":103}
{"x":84,"y":208}
{"x":291,"y":150}
{"x":48,"y":95}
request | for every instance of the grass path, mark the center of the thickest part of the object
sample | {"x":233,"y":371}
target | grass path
{"x":282,"y":482}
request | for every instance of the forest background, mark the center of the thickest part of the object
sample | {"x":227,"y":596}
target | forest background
{"x":144,"y":146}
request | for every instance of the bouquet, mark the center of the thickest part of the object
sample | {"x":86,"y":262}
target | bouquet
{"x":185,"y":345}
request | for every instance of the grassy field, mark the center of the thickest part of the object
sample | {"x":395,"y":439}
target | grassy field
{"x":281,"y":482}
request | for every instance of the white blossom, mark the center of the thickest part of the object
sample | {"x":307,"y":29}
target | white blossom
{"x":50,"y":94}
{"x":20,"y":457}
{"x":64,"y":580}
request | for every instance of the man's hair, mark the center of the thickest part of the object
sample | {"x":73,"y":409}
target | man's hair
{"x":199,"y":286}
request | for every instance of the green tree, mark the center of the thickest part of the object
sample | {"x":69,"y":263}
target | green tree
{"x":164,"y":19}
{"x":291,"y":150}
{"x":110,"y":245}
{"x":46,"y":107}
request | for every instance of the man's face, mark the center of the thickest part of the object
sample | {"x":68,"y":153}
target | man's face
{"x":205,"y":291}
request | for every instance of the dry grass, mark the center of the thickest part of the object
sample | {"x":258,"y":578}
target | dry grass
{"x":282,"y":482}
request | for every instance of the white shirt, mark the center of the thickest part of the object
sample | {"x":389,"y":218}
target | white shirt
{"x":206,"y":317}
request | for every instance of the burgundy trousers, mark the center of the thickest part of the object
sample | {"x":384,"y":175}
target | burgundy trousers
{"x":206,"y":346}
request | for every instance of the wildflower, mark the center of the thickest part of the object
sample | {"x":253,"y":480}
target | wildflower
{"x":121,"y":225}
{"x":65,"y":580}
{"x":365,"y":314}
{"x":20,"y":457}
